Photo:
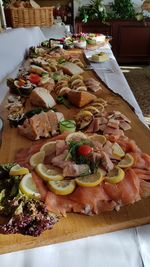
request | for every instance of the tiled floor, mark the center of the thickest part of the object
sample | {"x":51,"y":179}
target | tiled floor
{"x":138,"y":78}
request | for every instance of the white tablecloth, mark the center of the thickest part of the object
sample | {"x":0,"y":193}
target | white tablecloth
{"x":13,"y":46}
{"x":126,"y":248}
{"x":111,"y":74}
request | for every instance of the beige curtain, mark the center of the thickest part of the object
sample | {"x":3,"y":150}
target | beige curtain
{"x":2,"y":16}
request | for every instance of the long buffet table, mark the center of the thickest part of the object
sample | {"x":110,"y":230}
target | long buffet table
{"x":121,"y":248}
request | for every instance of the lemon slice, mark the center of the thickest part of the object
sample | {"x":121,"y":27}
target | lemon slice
{"x":117,"y":151}
{"x":28,"y":187}
{"x":18,"y":170}
{"x":115,"y":176}
{"x":99,"y":106}
{"x":103,"y":172}
{"x":37,"y":158}
{"x":90,"y":180}
{"x":77,"y":136}
{"x":91,"y":109}
{"x":48,"y":174}
{"x":64,"y":187}
{"x":49,"y":147}
{"x":98,"y":137}
{"x":101,"y":100}
{"x":127,"y":161}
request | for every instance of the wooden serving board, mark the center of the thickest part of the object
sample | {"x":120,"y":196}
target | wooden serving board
{"x":76,"y":226}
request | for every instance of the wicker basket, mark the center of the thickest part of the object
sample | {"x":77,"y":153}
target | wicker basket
{"x":29,"y":17}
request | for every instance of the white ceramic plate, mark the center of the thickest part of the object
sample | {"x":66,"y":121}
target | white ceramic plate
{"x":91,"y":60}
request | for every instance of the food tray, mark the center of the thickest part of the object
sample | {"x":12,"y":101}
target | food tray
{"x":76,"y":226}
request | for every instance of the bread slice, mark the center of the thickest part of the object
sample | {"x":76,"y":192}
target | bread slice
{"x":41,"y":97}
{"x":71,"y":68}
{"x":80,"y":99}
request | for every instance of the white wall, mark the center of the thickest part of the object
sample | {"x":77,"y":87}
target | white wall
{"x":137,"y":4}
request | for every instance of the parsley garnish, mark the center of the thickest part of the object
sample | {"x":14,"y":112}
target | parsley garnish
{"x":80,"y":159}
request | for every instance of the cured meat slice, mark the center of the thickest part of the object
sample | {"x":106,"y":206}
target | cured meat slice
{"x":53,"y":121}
{"x":59,"y":161}
{"x":107,"y":148}
{"x":97,"y":146}
{"x":60,"y":146}
{"x":40,"y":125}
{"x":113,"y":123}
{"x":124,"y":125}
{"x":31,"y":127}
{"x":106,"y":162}
{"x":113,"y":131}
{"x":74,"y":170}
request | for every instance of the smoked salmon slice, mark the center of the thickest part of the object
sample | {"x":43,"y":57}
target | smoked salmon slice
{"x":144,"y":188}
{"x":83,"y":200}
{"x":128,"y":145}
{"x":125,"y":192}
{"x":142,"y":174}
{"x":40,"y":186}
{"x":141,"y":160}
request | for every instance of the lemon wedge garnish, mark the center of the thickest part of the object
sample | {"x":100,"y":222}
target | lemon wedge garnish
{"x":48,"y":174}
{"x":117,"y":151}
{"x":18,"y":170}
{"x":98,"y":137}
{"x":127,"y":161}
{"x":37,"y":158}
{"x":77,"y":136}
{"x":28,"y":187}
{"x":49,"y":147}
{"x":64,"y":187}
{"x":90,"y":180}
{"x":115,"y":176}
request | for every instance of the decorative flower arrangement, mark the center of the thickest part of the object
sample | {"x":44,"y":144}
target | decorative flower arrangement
{"x":95,"y":10}
{"x":123,"y":9}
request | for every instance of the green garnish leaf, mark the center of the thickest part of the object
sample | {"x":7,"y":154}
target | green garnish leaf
{"x":80,"y":159}
{"x":34,"y":111}
{"x":62,"y":100}
{"x":7,"y":167}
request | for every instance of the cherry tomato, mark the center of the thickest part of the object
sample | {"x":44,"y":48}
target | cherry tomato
{"x":85,"y":150}
{"x":34,"y":78}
